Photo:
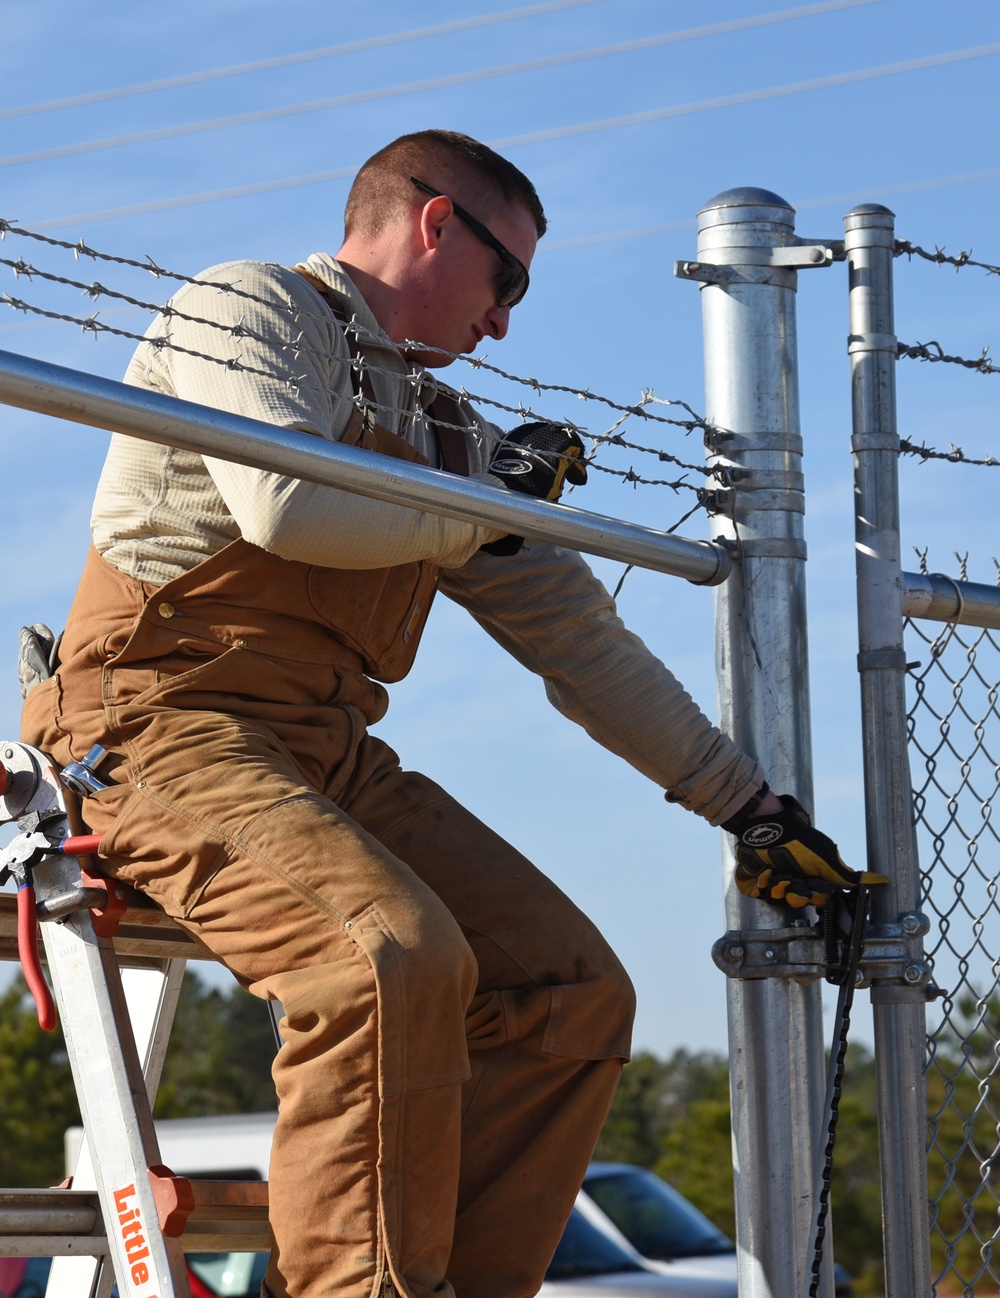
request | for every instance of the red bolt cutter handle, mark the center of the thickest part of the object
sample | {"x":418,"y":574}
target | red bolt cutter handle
{"x":81,"y":845}
{"x":27,"y":950}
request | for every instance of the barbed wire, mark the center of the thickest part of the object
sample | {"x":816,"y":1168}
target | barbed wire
{"x":934,"y":352}
{"x":81,"y":249}
{"x":941,"y":258}
{"x":93,"y":324}
{"x":955,"y":455}
{"x":169,"y":311}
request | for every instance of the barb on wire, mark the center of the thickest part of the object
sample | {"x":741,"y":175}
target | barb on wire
{"x":640,"y":410}
{"x":940,"y":258}
{"x":955,"y":455}
{"x":92,"y":324}
{"x":171,"y":312}
{"x":933,"y":351}
{"x":584,"y":394}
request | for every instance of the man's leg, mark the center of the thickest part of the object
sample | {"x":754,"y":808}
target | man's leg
{"x":374,"y":975}
{"x":547,"y":1032}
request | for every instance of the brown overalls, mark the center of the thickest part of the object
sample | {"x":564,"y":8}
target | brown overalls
{"x":453,"y":1026}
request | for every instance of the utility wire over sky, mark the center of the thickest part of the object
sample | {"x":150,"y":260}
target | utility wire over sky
{"x":399,"y":38}
{"x":553,"y":133}
{"x":412,"y":87}
{"x":304,"y":56}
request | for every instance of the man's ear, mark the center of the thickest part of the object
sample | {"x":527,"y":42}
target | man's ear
{"x":434,"y":217}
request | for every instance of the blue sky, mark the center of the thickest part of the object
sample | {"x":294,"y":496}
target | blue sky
{"x":829,"y":105}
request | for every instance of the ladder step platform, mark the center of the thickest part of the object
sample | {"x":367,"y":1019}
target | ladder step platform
{"x":115,"y":962}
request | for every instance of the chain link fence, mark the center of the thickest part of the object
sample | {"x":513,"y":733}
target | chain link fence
{"x":954,"y":734}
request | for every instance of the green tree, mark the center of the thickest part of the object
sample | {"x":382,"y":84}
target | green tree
{"x":218,"y":1061}
{"x":964,"y":1155}
{"x":219,"y":1056}
{"x":654,"y":1095}
{"x":696,"y":1157}
{"x":39,"y":1101}
{"x":673,"y":1116}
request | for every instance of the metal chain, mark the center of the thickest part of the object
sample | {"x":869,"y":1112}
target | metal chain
{"x":846,"y":974}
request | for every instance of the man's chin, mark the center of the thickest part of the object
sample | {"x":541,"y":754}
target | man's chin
{"x":430,"y":360}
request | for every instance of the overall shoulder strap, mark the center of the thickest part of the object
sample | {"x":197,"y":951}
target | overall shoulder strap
{"x":360,"y":378}
{"x":446,"y":414}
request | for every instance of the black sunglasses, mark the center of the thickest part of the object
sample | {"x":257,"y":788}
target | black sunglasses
{"x":512,"y":282}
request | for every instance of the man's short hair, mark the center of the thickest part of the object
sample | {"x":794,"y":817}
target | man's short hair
{"x":456,"y":165}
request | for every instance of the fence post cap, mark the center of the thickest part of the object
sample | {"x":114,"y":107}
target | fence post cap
{"x":746,"y":204}
{"x":870,"y":214}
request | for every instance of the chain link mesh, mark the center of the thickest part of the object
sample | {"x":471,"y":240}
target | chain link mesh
{"x":954,"y":734}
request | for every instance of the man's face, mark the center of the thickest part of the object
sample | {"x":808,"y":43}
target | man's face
{"x":458,"y":304}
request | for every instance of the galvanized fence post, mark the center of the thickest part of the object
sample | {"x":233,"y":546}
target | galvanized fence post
{"x":898,"y":1005}
{"x":747,"y":259}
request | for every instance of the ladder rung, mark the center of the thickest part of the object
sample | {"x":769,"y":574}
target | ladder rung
{"x":50,"y":1212}
{"x":227,"y":1216}
{"x":144,"y":931}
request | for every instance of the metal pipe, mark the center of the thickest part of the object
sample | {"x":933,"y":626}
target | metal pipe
{"x":89,"y":399}
{"x":899,"y":1025}
{"x":938,"y":598}
{"x":64,"y":1219}
{"x":775,"y":1025}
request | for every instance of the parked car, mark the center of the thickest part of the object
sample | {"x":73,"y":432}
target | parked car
{"x":23,"y":1277}
{"x":661,"y":1230}
{"x":631,"y":1235}
{"x":590,"y":1264}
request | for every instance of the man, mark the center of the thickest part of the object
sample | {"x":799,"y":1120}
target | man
{"x":453,"y":1027}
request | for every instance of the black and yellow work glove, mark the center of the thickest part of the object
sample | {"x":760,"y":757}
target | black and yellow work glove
{"x":537,"y":459}
{"x":781,"y":858}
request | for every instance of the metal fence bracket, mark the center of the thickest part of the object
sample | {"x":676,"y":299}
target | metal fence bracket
{"x":892,"y":957}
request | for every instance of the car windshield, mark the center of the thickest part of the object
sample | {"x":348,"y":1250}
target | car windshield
{"x":583,"y":1250}
{"x":657,"y":1221}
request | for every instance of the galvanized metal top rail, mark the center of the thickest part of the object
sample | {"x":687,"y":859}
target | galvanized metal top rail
{"x":88,"y":399}
{"x":937,"y":598}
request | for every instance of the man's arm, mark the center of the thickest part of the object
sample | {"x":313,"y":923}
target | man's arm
{"x":547,"y":608}
{"x":293,"y":370}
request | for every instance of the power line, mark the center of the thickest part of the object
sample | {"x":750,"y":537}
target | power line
{"x":548,"y":245}
{"x":606,"y":236}
{"x":611,"y":123}
{"x":875,"y":192}
{"x":750,"y":96}
{"x":192,"y":200}
{"x":416,"y":87}
{"x":288,"y":60}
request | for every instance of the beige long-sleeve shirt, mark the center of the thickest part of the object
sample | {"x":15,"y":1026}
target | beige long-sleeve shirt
{"x":160,"y":511}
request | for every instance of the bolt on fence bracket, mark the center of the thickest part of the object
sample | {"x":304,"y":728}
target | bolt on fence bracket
{"x":798,"y":255}
{"x":798,"y":953}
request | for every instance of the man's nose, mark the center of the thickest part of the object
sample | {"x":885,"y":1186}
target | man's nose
{"x":497,"y":321}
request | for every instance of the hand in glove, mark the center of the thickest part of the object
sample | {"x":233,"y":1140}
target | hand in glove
{"x":37,"y":654}
{"x":780,"y":857}
{"x":536,"y":460}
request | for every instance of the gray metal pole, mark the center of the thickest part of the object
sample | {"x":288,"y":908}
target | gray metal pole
{"x":747,"y":252}
{"x":899,"y":1018}
{"x":89,"y":399}
{"x":937,"y":598}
